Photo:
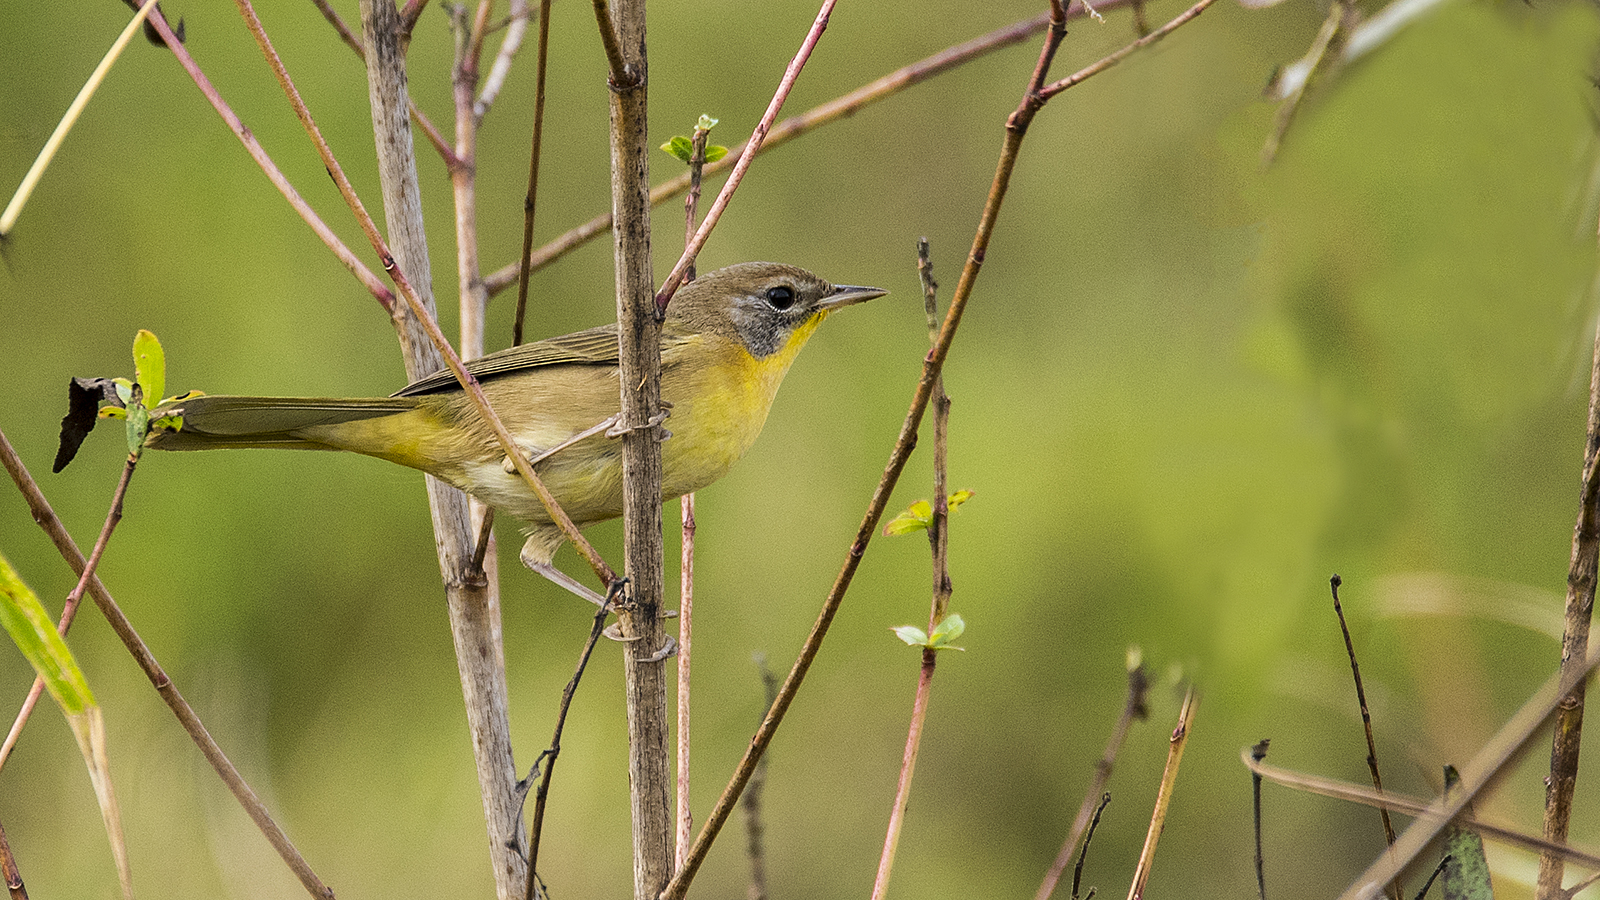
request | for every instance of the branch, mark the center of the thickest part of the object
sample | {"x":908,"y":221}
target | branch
{"x":370,"y":281}
{"x":47,"y":520}
{"x":904,"y":442}
{"x":1567,"y":739}
{"x":794,"y":127}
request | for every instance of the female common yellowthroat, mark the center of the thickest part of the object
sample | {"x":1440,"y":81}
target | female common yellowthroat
{"x":728,"y":339}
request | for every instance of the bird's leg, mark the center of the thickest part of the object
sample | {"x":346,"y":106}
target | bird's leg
{"x":604,"y":425}
{"x":548,"y":570}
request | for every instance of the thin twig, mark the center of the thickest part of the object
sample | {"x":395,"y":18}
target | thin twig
{"x":675,"y":278}
{"x":1169,"y":778}
{"x":1437,"y":870}
{"x":530,"y":203}
{"x":1366,"y":722}
{"x":1133,"y":707}
{"x":684,"y":833}
{"x":548,"y":757}
{"x":47,"y":520}
{"x":1411,"y":806}
{"x":516,"y":29}
{"x":1258,"y":752}
{"x":1088,"y":838}
{"x":608,"y":39}
{"x":1324,"y":54}
{"x":344,"y":254}
{"x":904,"y":442}
{"x":755,"y":828}
{"x":8,"y":219}
{"x":939,"y":551}
{"x":69,"y":609}
{"x":795,"y":126}
{"x":1567,"y":735}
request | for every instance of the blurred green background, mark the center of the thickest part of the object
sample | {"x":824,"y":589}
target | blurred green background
{"x":1187,"y":391}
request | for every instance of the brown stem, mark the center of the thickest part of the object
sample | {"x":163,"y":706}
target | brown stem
{"x":1169,"y":778}
{"x":530,"y":203}
{"x":1567,"y":737}
{"x":368,"y":279}
{"x":610,"y":41}
{"x":939,"y":546}
{"x":47,"y":520}
{"x":1132,"y":708}
{"x":1366,"y":724}
{"x":548,"y":757}
{"x":684,"y":832}
{"x":639,"y":340}
{"x":472,"y":600}
{"x":510,"y":45}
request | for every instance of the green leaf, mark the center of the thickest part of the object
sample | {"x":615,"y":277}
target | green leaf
{"x":138,"y":427}
{"x":706,"y":123}
{"x":151,"y":365}
{"x":958,"y":498}
{"x":715,"y":152}
{"x":912,"y":635}
{"x":681,"y":147}
{"x":24,"y":618}
{"x":917,"y":517}
{"x":948,"y":629}
{"x":124,"y":389}
{"x":1466,"y":874}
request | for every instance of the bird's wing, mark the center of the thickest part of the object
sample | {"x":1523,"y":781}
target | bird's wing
{"x":592,"y":347}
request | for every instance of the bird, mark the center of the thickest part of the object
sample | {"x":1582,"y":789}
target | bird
{"x":727,"y":341}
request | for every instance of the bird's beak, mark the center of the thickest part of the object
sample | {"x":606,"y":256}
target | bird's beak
{"x":848,"y":295}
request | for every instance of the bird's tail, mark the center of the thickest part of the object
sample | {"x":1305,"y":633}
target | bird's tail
{"x":290,"y":423}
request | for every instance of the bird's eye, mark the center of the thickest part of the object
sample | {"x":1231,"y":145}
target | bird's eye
{"x":780,"y":297}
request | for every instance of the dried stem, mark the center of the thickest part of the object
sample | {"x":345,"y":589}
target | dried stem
{"x":904,"y":442}
{"x":1169,"y":778}
{"x":47,"y":520}
{"x":938,"y":541}
{"x":1258,"y":752}
{"x":684,"y":832}
{"x":13,"y":210}
{"x":530,"y":203}
{"x":1567,"y":739}
{"x":472,"y":601}
{"x":516,"y":29}
{"x":1366,"y":724}
{"x":1132,"y":708}
{"x":548,"y":757}
{"x":1407,"y":805}
{"x":639,"y":362}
